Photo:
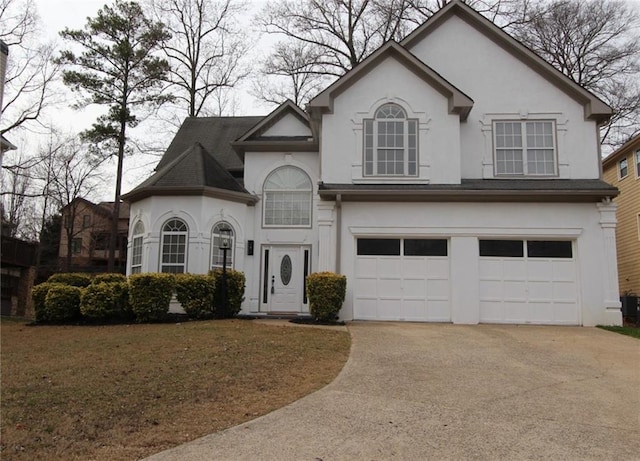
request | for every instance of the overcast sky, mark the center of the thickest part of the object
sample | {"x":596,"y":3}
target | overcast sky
{"x":55,"y":16}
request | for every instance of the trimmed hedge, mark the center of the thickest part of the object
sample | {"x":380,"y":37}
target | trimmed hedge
{"x":150,"y":295}
{"x":326,"y":292}
{"x":75,"y":279}
{"x":109,"y":277}
{"x":62,"y":303}
{"x":235,"y":293}
{"x":196,"y":294}
{"x":106,"y":302}
{"x":39,"y":295}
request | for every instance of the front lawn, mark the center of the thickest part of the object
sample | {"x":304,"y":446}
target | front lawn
{"x":628,"y":330}
{"x":127,"y":391}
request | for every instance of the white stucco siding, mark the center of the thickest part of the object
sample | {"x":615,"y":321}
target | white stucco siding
{"x":258,"y":166}
{"x":504,"y":87}
{"x":289,"y":125}
{"x":391,"y":81}
{"x":463,"y":225}
{"x":200,"y":214}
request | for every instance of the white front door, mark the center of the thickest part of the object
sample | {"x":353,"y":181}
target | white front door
{"x":285,"y":269}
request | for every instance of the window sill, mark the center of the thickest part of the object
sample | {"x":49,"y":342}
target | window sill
{"x":391,"y":180}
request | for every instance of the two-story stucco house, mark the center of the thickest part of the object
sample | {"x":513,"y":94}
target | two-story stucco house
{"x":452,"y":177}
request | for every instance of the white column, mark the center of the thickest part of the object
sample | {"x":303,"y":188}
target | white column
{"x":610,"y":277}
{"x":326,"y":236}
{"x":465,"y":280}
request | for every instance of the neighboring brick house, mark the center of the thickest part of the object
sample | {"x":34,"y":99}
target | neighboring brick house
{"x":86,"y":228}
{"x":622,"y":169}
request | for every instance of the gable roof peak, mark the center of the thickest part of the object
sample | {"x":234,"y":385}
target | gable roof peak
{"x":594,"y":107}
{"x":459,"y":103}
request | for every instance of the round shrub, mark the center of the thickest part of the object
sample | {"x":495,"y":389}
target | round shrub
{"x":150,"y":295}
{"x":109,"y":277}
{"x":39,"y":295}
{"x":105,"y":302}
{"x":75,"y":279}
{"x":196,"y":294}
{"x":235,"y":293}
{"x":326,"y":292}
{"x":62,"y":303}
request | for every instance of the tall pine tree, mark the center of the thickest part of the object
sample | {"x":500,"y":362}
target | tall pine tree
{"x":117,"y":68}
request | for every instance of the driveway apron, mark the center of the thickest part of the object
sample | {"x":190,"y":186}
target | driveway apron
{"x":423,"y":391}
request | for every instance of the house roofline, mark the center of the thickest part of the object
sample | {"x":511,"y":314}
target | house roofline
{"x":628,"y":146}
{"x":459,"y":102}
{"x":204,"y":191}
{"x":594,"y":108}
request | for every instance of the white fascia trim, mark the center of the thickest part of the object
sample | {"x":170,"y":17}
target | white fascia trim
{"x":496,"y":232}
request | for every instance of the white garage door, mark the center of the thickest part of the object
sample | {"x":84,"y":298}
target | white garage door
{"x":530,"y":281}
{"x":402,"y":279}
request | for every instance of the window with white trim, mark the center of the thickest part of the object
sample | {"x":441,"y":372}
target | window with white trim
{"x":637,"y":157}
{"x":217,"y":255}
{"x":390,"y":143}
{"x":287,"y":198}
{"x":174,"y":247}
{"x":623,"y":168}
{"x":136,"y":248}
{"x":525,"y":148}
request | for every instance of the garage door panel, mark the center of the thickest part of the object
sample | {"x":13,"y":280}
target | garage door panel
{"x":367,"y":288}
{"x":388,"y":309}
{"x":565,"y":292}
{"x":367,"y":266}
{"x":540,"y":291}
{"x":438,"y":268}
{"x":492,"y":311}
{"x":414,"y":267}
{"x":416,"y":289}
{"x":389,"y":267}
{"x":438,"y":289}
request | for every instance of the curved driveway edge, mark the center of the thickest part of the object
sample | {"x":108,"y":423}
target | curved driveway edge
{"x":424,"y":391}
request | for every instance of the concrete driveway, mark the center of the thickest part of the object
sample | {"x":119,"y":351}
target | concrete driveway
{"x":420,"y":391}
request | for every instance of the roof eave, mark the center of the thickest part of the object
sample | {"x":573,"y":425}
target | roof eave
{"x":273,"y":146}
{"x":205,"y":191}
{"x":471,"y":195}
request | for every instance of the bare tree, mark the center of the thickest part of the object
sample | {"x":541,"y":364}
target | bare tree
{"x":292,"y":76}
{"x":341,"y":33}
{"x":597,"y":45}
{"x":30,"y":70}
{"x":205,"y":50}
{"x":70,"y":177}
{"x":503,"y":13}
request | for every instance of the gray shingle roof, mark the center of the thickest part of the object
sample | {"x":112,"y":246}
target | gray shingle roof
{"x":215,"y":134}
{"x":559,"y":190}
{"x":195,"y":167}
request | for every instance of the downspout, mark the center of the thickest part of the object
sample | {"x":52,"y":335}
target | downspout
{"x":338,"y":230}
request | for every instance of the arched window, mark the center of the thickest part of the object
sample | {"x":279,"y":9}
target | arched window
{"x":287,"y":198}
{"x":136,"y":248}
{"x":174,"y":247}
{"x":390,"y":143}
{"x":217,"y":255}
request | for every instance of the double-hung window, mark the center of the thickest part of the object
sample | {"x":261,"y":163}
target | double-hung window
{"x":136,"y":248}
{"x":623,"y":168}
{"x":390,"y":143}
{"x":525,"y":148}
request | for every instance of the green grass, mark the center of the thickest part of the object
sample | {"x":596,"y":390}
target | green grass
{"x":123,"y":392}
{"x":629,"y":331}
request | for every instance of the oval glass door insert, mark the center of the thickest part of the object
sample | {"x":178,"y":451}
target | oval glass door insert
{"x":285,"y":270}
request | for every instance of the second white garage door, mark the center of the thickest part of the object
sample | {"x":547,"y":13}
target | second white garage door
{"x":528,"y":281}
{"x":402,"y":279}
